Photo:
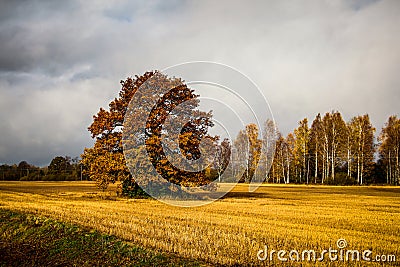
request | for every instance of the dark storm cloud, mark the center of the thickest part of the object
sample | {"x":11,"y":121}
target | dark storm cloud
{"x":61,"y":60}
{"x":31,"y":35}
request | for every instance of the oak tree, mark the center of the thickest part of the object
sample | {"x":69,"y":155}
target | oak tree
{"x":106,"y":163}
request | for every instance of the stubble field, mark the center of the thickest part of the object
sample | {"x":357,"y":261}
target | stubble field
{"x":230,"y":231}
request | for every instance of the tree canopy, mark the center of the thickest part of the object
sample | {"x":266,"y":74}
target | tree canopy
{"x":127,"y":128}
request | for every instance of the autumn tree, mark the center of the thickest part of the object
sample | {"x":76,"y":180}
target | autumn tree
{"x":241,"y":156}
{"x":334,"y":136}
{"x":222,"y":157}
{"x":316,"y":145}
{"x":302,"y":134}
{"x":248,"y":147}
{"x":389,"y":149}
{"x":277,"y":172}
{"x":269,"y":137}
{"x":254,"y":150}
{"x":285,"y":165}
{"x":361,"y":146}
{"x":288,"y":147}
{"x":105,"y":162}
{"x":350,"y":147}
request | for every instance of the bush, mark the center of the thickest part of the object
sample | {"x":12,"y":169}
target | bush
{"x":129,"y":188}
{"x":33,"y":176}
{"x":59,"y":177}
{"x":341,"y":178}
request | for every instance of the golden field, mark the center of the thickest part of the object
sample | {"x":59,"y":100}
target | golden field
{"x":232,"y":230}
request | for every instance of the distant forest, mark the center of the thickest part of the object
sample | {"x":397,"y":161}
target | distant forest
{"x":60,"y":169}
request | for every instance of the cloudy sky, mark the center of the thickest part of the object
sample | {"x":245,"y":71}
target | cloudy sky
{"x":60,"y":61}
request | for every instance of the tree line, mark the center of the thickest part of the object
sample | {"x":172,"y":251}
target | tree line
{"x":329,"y":151}
{"x":59,"y":169}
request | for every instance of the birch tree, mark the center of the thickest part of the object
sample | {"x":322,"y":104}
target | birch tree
{"x":288,"y":156}
{"x":254,"y":150}
{"x":248,"y":146}
{"x":316,"y":144}
{"x":278,"y":165}
{"x":389,"y":149}
{"x":241,"y":146}
{"x":302,"y":134}
{"x":362,"y":138}
{"x":268,"y":143}
{"x":334,"y":136}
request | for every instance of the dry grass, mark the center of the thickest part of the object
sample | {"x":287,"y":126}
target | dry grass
{"x":230,"y":231}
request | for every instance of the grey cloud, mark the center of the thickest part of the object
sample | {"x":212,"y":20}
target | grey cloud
{"x":30,"y":34}
{"x":61,"y":61}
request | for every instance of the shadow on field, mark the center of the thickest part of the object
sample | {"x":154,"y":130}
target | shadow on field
{"x":247,"y":195}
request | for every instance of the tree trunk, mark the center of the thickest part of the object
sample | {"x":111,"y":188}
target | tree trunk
{"x":323,"y":169}
{"x":358,"y":169}
{"x":361,"y":168}
{"x":288,"y":168}
{"x":327,"y":165}
{"x":348,"y":158}
{"x":304,"y":160}
{"x":316,"y":165}
{"x":387,"y":174}
{"x":283,"y":169}
{"x":333,"y":164}
{"x":390,"y":168}
{"x":273,"y":173}
{"x":397,"y":166}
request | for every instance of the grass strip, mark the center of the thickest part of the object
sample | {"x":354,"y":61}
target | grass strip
{"x":30,"y":240}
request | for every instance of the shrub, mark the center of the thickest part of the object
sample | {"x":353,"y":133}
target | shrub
{"x":341,"y":178}
{"x":130,"y":188}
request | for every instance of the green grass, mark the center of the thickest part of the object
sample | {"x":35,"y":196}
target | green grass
{"x":29,"y":240}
